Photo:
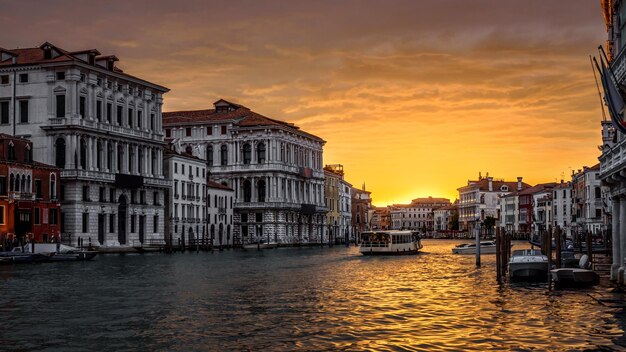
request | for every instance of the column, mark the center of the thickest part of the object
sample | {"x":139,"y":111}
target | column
{"x":622,"y":241}
{"x":78,"y":151}
{"x":114,"y":168}
{"x":88,"y":153}
{"x":615,"y":232}
{"x":125,"y":166}
{"x":106,"y":156}
{"x":69,"y":152}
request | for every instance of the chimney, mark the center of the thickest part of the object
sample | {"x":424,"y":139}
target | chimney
{"x":519,"y":183}
{"x":490,"y":179}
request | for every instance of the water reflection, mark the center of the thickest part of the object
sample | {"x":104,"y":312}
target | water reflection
{"x":293,"y":299}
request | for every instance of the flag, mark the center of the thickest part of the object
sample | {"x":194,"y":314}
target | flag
{"x":613,"y":97}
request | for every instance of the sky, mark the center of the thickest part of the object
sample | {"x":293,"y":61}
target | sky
{"x":413,"y":97}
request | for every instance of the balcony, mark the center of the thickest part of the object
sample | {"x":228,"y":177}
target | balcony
{"x":63,"y":122}
{"x":21,"y":196}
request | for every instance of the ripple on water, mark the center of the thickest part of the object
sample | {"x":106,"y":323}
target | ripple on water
{"x":293,"y":299}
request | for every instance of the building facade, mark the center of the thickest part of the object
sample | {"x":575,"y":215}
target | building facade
{"x":29,"y":205}
{"x":361,"y":200}
{"x":587,"y":203}
{"x":444,"y":218}
{"x":274,"y":168}
{"x":418,"y":215}
{"x":381,"y":218}
{"x":220,"y":203}
{"x":479,"y":199}
{"x":333,"y":174}
{"x":562,"y":207}
{"x":102,"y":127}
{"x":186,"y":206}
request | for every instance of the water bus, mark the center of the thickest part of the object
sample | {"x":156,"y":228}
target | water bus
{"x":390,"y":243}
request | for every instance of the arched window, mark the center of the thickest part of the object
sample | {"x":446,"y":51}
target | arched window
{"x":83,"y":154}
{"x":260,"y":153}
{"x":282,"y":152}
{"x":209,"y":155}
{"x":131,"y":156}
{"x":53,"y":186}
{"x":120,"y":158}
{"x":11,"y":151}
{"x":59,"y":146}
{"x":140,"y":163}
{"x":261,"y":190}
{"x":28,"y":154}
{"x":28,"y":188}
{"x":223,"y":155}
{"x":12,"y":183}
{"x":99,"y":156}
{"x":109,"y":156}
{"x":247,"y":153}
{"x":247,"y":191}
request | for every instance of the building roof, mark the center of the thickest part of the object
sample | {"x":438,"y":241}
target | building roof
{"x":213,"y":184}
{"x":430,"y":200}
{"x":238,"y":115}
{"x":483,"y":185}
{"x":36,"y":56}
{"x":449,"y":207}
{"x":538,"y":188}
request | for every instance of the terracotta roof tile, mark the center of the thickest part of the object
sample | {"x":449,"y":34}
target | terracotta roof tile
{"x":213,"y":184}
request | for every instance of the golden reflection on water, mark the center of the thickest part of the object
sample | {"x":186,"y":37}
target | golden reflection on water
{"x":296,"y":299}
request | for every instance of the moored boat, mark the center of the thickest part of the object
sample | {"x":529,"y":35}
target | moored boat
{"x":580,"y":276}
{"x":55,"y":252}
{"x":486,"y":247}
{"x":528,"y":265}
{"x":390,"y":242}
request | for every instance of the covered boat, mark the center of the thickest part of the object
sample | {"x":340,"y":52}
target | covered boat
{"x":528,"y":265}
{"x":390,"y":242}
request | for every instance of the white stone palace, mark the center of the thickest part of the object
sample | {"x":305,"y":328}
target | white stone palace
{"x":274,"y":168}
{"x":102,"y":127}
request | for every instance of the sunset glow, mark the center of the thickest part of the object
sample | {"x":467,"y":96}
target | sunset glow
{"x":413,"y":97}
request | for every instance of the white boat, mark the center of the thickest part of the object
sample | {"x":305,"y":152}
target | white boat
{"x":528,"y":265}
{"x":390,"y":243}
{"x":486,"y":247}
{"x":580,"y":276}
{"x":58,"y":252}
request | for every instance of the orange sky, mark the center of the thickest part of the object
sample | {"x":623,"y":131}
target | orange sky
{"x":412,"y":97}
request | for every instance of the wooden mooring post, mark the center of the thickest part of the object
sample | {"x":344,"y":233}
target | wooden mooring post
{"x":498,"y":255}
{"x":557,"y":235}
{"x":589,"y":246}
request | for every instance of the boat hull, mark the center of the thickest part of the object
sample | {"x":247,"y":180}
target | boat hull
{"x":389,"y":252}
{"x":483,"y":250}
{"x":528,"y":271}
{"x":574,"y":277}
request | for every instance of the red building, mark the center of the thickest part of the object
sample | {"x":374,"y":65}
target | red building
{"x":29,"y":208}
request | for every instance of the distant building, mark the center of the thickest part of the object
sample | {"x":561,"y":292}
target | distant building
{"x":29,"y":205}
{"x":562,"y":207}
{"x":186,"y":208}
{"x":444,"y":217}
{"x":418,"y":215}
{"x":274,"y":168}
{"x":587,"y":200}
{"x":381,"y":218}
{"x":361,"y":205}
{"x":333,"y":174}
{"x":479,"y":199}
{"x":220,"y":203}
{"x":345,"y":211}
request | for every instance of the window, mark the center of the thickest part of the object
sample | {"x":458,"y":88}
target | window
{"x":133,"y":196}
{"x":223,"y":129}
{"x":133,"y":219}
{"x":4,"y":79}
{"x":4,"y":112}
{"x":155,"y":197}
{"x":142,"y":197}
{"x":112,"y":195}
{"x":38,"y":188}
{"x":23,"y":77}
{"x":99,"y":110}
{"x":152,"y":122}
{"x":130,"y":117}
{"x":54,"y":216}
{"x":209,"y":155}
{"x":23,"y":111}
{"x":209,"y":130}
{"x":247,"y":191}
{"x":260,"y":153}
{"x":188,"y":132}
{"x":109,"y":112}
{"x":168,"y":133}
{"x":119,"y":115}
{"x":2,"y":214}
{"x":139,"y":117}
{"x":247,"y":153}
{"x":81,"y":106}
{"x":112,"y":223}
{"x":60,"y":153}
{"x":102,"y":194}
{"x":85,"y":193}
{"x":60,"y":76}
{"x":82,"y":77}
{"x":37,"y":210}
{"x":85,"y":222}
{"x":53,"y":186}
{"x":3,"y":185}
{"x":60,"y":100}
{"x":182,"y":169}
{"x":155,"y":224}
{"x":223,"y":155}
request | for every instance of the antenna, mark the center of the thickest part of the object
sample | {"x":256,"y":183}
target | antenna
{"x":598,"y":87}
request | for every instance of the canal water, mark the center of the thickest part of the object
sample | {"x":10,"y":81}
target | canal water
{"x":293,"y":299}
